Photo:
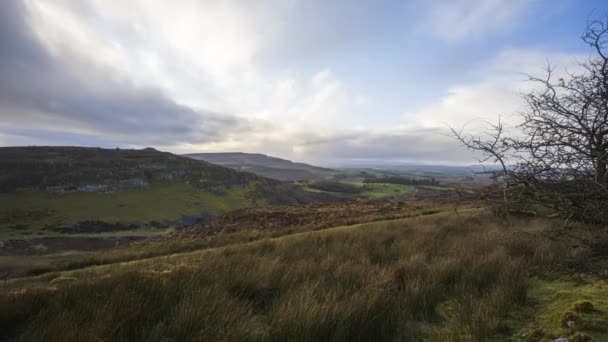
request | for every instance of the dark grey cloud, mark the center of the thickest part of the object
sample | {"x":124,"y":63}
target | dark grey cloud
{"x":60,"y":93}
{"x":21,"y":136}
{"x":434,"y":145}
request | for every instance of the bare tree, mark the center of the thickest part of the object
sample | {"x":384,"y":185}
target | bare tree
{"x":559,"y":159}
{"x":494,"y":149}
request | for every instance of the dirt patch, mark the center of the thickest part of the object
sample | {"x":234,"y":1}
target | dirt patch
{"x":93,"y":226}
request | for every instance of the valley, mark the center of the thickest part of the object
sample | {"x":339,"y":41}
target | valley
{"x":373,"y":253}
{"x":303,"y":171}
{"x":57,"y":199}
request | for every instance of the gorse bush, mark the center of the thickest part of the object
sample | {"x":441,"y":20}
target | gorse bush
{"x":383,"y":281}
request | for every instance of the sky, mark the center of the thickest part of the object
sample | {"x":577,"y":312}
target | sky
{"x":322,"y":81}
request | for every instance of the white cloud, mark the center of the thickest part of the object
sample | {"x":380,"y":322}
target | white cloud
{"x":501,"y":81}
{"x":203,"y":54}
{"x":363,"y":101}
{"x":458,"y":19}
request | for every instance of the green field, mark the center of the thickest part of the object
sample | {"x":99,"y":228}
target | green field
{"x":381,"y":190}
{"x":27,"y":212}
{"x":370,"y":190}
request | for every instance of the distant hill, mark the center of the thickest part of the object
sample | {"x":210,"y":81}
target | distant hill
{"x":65,"y":186}
{"x":266,"y":166}
{"x":80,"y":169}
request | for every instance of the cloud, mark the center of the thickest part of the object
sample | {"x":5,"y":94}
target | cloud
{"x":423,"y":134}
{"x":195,"y":76}
{"x":454,"y":20}
{"x":144,"y":73}
{"x":202,"y":54}
{"x":185,"y":73}
{"x":496,"y":93}
{"x":48,"y":85}
{"x":422,"y":145}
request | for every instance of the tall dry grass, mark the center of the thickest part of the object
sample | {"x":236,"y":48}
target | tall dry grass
{"x":438,"y":278}
{"x":241,"y":226}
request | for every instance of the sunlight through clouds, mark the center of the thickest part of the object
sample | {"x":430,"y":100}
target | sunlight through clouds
{"x":298,"y":79}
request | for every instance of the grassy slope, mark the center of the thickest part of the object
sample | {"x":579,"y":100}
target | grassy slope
{"x":158,"y":202}
{"x":371,"y":190}
{"x":438,"y":277}
{"x":236,"y":227}
{"x":380,"y":190}
{"x":53,"y":185}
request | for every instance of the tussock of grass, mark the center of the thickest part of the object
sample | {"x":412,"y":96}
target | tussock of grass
{"x":427,"y":278}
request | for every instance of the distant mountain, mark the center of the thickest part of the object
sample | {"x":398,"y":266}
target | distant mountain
{"x":266,"y":166}
{"x":51,"y":186}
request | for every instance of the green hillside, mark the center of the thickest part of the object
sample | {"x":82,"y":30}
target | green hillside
{"x":159,"y":204}
{"x":44,"y":190}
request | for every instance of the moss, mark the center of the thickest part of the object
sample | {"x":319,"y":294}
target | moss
{"x":556,"y":301}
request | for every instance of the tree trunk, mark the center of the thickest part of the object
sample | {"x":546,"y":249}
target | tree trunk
{"x":600,"y":160}
{"x":600,"y":171}
{"x":600,"y":166}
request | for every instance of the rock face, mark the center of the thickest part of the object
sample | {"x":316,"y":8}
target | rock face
{"x":62,"y":170}
{"x":64,"y":189}
{"x":112,"y":186}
